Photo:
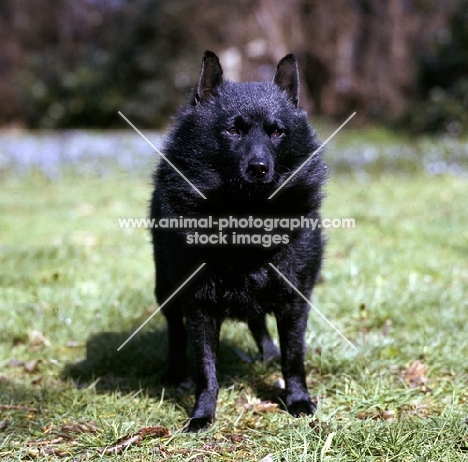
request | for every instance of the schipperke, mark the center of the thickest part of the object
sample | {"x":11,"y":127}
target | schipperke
{"x":236,"y":143}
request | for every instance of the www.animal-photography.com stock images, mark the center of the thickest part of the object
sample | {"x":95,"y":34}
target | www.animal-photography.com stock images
{"x":234,"y":231}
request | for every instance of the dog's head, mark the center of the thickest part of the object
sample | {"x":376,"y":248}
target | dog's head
{"x":261,"y":132}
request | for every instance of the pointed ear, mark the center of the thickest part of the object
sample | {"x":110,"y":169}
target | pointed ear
{"x":287,"y":77}
{"x":211,"y":76}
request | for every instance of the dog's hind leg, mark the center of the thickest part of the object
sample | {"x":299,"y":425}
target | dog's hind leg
{"x":176,"y":369}
{"x":260,"y":333}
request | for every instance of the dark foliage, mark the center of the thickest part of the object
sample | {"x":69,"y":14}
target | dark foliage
{"x":444,"y":82}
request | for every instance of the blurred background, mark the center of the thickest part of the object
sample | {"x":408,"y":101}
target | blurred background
{"x":75,"y":63}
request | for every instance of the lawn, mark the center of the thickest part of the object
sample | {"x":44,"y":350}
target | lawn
{"x":74,"y":285}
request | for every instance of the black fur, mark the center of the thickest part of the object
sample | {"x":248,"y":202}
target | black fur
{"x":237,"y":142}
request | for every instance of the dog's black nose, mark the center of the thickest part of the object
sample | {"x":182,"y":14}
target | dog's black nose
{"x":258,"y":166}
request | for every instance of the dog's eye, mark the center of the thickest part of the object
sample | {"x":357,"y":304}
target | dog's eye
{"x":276,"y":133}
{"x":232,"y":131}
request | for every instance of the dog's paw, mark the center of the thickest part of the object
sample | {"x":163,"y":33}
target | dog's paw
{"x":271,"y":354}
{"x":302,"y":407}
{"x":196,"y":424}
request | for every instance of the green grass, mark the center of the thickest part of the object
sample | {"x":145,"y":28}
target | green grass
{"x":73,"y":285}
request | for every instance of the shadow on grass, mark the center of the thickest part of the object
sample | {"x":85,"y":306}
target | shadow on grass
{"x":136,"y":366}
{"x":140,"y":363}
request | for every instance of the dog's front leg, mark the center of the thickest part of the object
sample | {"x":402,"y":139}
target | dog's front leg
{"x":203,"y":329}
{"x":292,"y":324}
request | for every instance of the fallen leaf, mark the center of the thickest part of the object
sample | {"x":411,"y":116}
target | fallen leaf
{"x":261,"y":406}
{"x":130,"y":439}
{"x":45,"y":442}
{"x":388,"y":415}
{"x":414,"y":374}
{"x":51,"y":451}
{"x":46,"y":451}
{"x":237,"y":438}
{"x":266,"y":406}
{"x":155,"y":431}
{"x":211,"y":447}
{"x":16,"y":407}
{"x":71,"y":429}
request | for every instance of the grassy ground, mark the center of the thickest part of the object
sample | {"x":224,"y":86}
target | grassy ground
{"x":73,"y":285}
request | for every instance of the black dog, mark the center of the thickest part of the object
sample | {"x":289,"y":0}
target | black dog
{"x":237,"y":143}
